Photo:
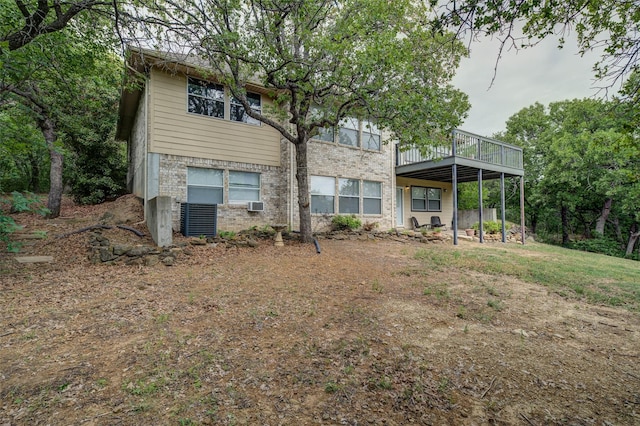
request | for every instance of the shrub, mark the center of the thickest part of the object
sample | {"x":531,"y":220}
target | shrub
{"x":342,"y":223}
{"x":602,"y":245}
{"x":7,"y":227}
{"x":490,"y":227}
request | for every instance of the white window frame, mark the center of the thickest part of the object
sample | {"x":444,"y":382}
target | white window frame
{"x":428,"y":191}
{"x":349,"y":125}
{"x":233,"y":102}
{"x":369,"y":132}
{"x":205,"y":185}
{"x":192,"y":81}
{"x":371,"y":197}
{"x":325,"y":190}
{"x":244,"y":188}
{"x":348,"y":197}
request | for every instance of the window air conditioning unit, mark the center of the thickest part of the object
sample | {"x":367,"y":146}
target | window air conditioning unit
{"x":255,"y":206}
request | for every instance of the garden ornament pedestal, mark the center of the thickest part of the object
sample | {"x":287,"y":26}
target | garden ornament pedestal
{"x":278,"y":238}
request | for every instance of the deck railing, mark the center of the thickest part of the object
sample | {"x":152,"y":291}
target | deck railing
{"x":466,"y":145}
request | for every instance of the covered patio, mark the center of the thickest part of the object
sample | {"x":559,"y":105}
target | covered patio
{"x":470,"y":157}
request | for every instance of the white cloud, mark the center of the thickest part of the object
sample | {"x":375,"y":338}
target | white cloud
{"x":542,"y":73}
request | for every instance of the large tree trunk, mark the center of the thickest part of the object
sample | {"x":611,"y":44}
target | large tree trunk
{"x":48,"y":129}
{"x":304,"y":205}
{"x":564,"y":214}
{"x":602,"y":220}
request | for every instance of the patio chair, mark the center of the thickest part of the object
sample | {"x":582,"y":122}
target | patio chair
{"x":416,"y":225}
{"x":435,"y":223}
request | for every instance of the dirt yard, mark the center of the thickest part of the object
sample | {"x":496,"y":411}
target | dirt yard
{"x":362,"y":334}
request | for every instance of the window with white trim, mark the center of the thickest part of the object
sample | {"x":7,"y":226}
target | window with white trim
{"x":211,"y":99}
{"x":243,"y":186}
{"x":349,"y":200}
{"x":323,"y":194}
{"x":205,"y":186}
{"x":326,"y":134}
{"x":425,"y":199}
{"x":371,"y":197}
{"x":371,"y":136}
{"x":205,"y":98}
{"x":349,"y":132}
{"x":354,"y":133}
{"x":238,"y":113}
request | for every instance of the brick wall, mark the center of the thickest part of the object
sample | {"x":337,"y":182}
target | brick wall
{"x":334,"y":160}
{"x":231,"y":217}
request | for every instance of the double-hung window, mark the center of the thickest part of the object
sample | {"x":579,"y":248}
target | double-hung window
{"x":371,"y":197}
{"x":205,"y":98}
{"x":238,"y":113}
{"x":349,"y":190}
{"x":244,"y":186}
{"x":204,"y":186}
{"x":426,"y":199}
{"x":370,"y":136}
{"x":349,"y":132}
{"x":323,"y":193}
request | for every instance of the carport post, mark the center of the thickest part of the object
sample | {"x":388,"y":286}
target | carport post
{"x":502,"y":208}
{"x":522,"y":208}
{"x":480,"y":215}
{"x":454,"y":188}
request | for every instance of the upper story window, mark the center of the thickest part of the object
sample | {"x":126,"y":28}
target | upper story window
{"x":348,"y":133}
{"x":371,"y":137}
{"x":205,"y":98}
{"x":238,"y":112}
{"x":212,"y":100}
{"x":354,"y":133}
{"x":426,"y":199}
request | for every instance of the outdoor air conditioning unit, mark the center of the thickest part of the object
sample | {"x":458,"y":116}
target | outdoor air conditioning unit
{"x":255,"y":206}
{"x":198,"y":219}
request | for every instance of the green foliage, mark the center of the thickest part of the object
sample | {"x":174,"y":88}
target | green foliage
{"x":325,"y":61}
{"x":27,"y":202}
{"x":7,"y":227}
{"x":602,"y":245}
{"x":489,"y":226}
{"x":592,"y":277}
{"x":344,"y":222}
{"x":609,"y":24}
{"x":63,"y":90}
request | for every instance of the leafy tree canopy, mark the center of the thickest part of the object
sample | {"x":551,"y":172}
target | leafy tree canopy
{"x":610,"y":25}
{"x":322,"y":61}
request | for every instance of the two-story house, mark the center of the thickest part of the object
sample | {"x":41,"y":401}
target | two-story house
{"x":191,"y":144}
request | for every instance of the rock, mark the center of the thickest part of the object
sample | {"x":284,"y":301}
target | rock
{"x":139,"y":251}
{"x":151,"y":260}
{"x":120,"y":249}
{"x":198,"y":241}
{"x":135,"y":261}
{"x":106,"y":254}
{"x":252,"y":243}
{"x":168,"y":261}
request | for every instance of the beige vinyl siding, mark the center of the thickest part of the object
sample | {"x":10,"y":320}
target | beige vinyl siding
{"x":177,"y":132}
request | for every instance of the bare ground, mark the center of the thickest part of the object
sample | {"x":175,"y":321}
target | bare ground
{"x":363,"y":333}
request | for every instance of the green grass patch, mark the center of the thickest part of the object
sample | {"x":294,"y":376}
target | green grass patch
{"x":596,"y":278}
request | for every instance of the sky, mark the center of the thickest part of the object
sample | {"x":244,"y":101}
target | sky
{"x":542,"y":73}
